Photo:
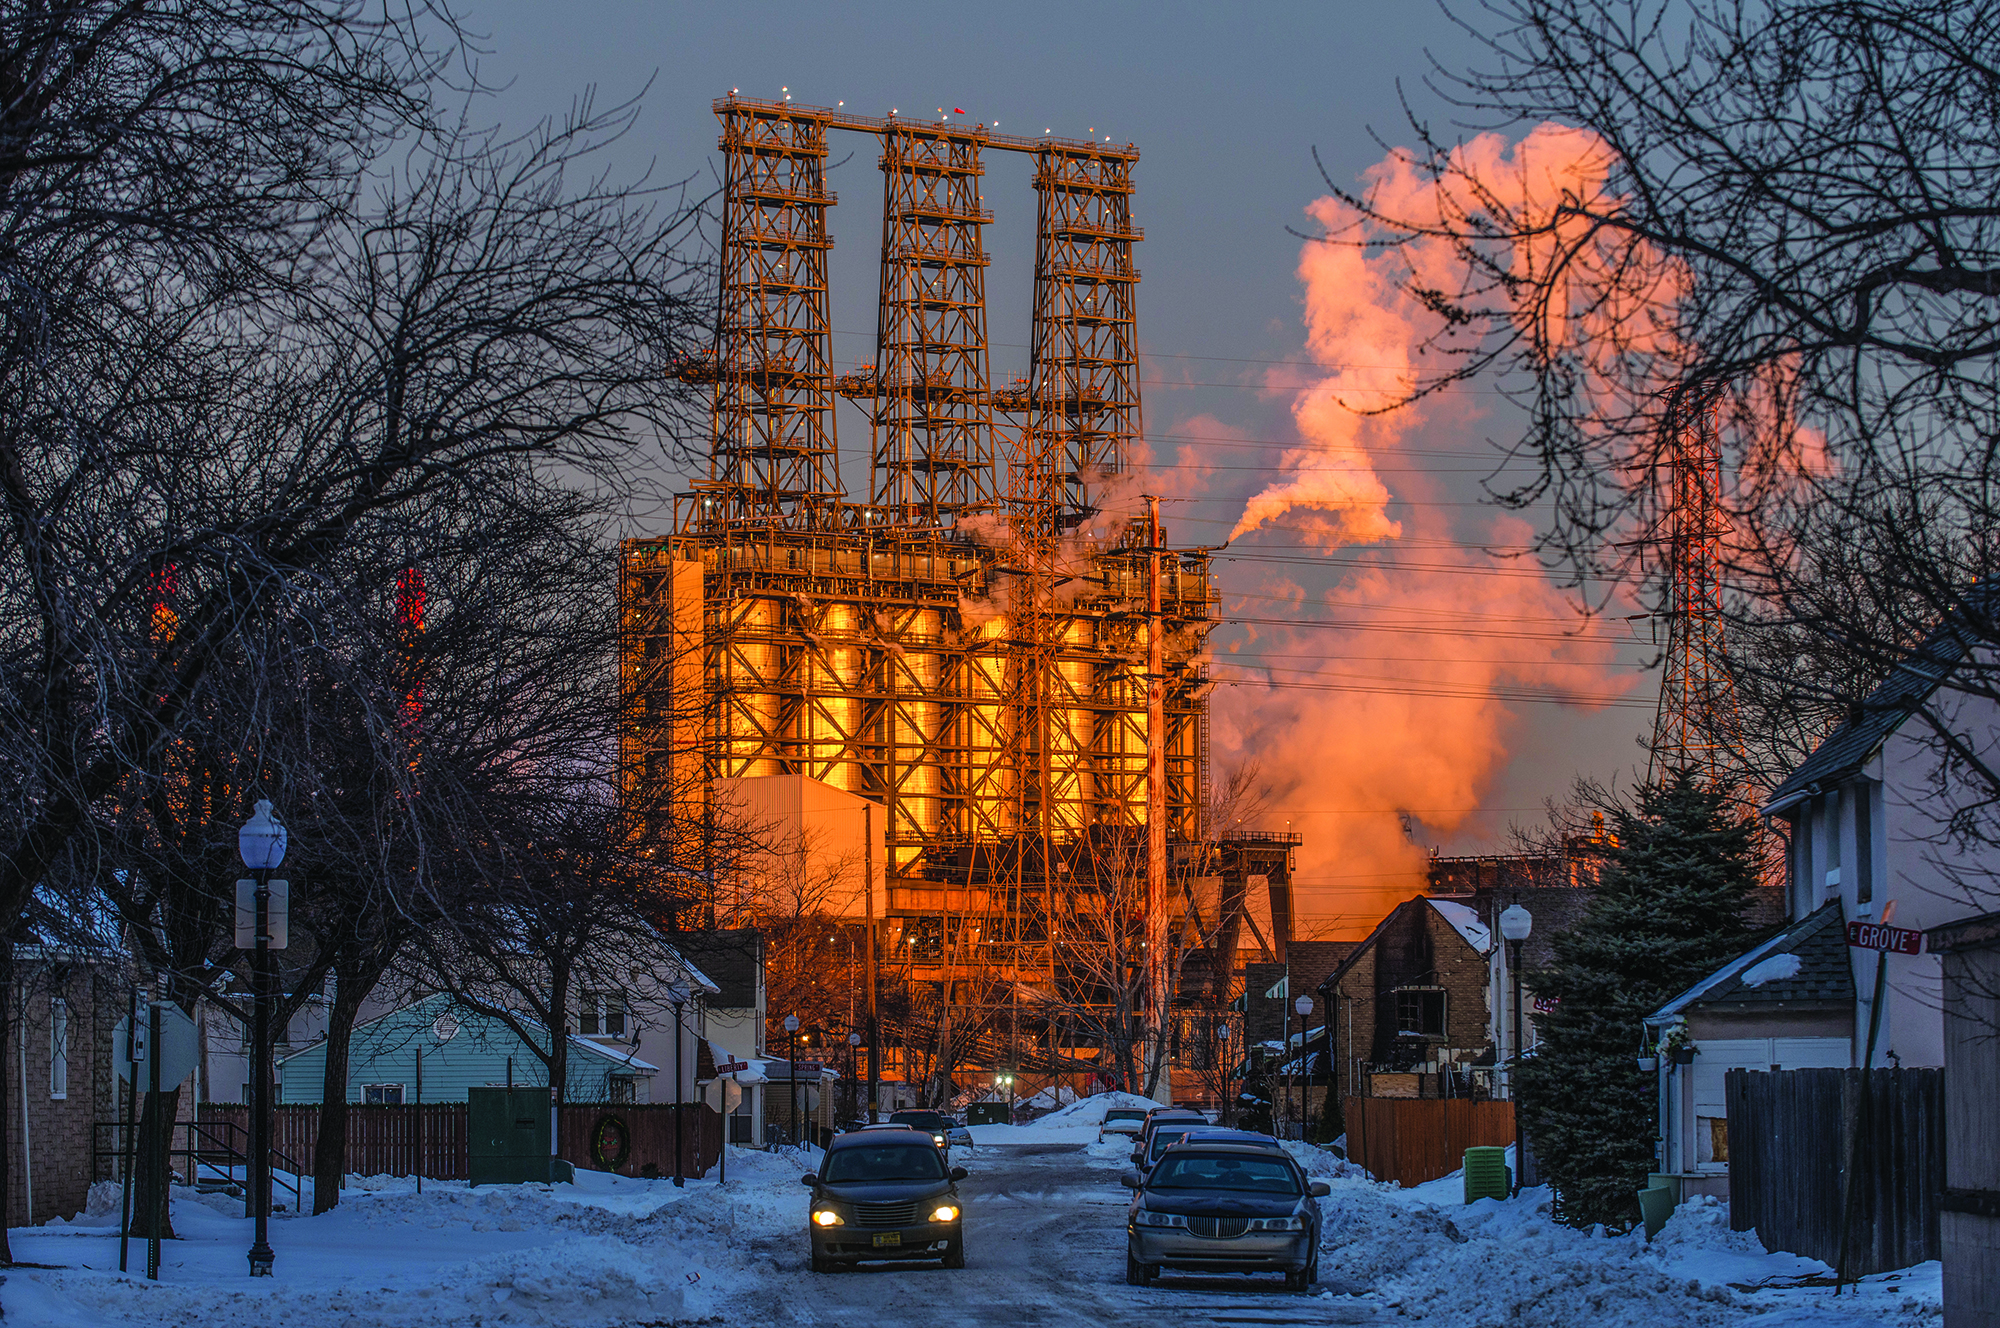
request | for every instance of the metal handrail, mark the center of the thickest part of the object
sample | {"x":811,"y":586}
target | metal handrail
{"x":204,"y":1147}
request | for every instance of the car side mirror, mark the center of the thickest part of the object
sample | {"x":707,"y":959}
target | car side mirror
{"x":810,"y":1182}
{"x":1131,"y":1180}
{"x":1320,"y":1189}
{"x":959,"y":1173}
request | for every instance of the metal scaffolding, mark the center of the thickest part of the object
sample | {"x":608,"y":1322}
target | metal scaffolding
{"x":968,"y":649}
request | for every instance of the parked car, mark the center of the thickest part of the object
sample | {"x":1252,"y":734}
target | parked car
{"x":1157,"y":1117}
{"x":944,"y":1131}
{"x":1246,"y":1138}
{"x":1223,"y":1208}
{"x":1162,"y":1137}
{"x":885,"y":1194}
{"x":1127,"y":1121}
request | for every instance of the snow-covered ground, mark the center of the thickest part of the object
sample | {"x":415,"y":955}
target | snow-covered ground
{"x":1045,"y":1241}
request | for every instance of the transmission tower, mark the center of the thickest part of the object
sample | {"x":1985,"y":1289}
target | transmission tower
{"x":1697,"y":726}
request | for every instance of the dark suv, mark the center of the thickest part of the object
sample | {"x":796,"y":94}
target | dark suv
{"x":885,"y":1194}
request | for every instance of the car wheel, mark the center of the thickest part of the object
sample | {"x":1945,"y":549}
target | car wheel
{"x":1134,"y":1271}
{"x":954,"y":1254}
{"x":820,"y":1264}
{"x":1296,"y":1281}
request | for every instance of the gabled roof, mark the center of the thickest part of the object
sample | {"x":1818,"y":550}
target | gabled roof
{"x":1820,"y":972}
{"x":1844,"y":751}
{"x":1461,"y":920}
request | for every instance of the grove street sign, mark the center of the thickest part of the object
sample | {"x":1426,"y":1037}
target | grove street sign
{"x":1875,"y":936}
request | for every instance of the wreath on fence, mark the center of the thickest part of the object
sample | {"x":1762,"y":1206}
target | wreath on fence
{"x":610,"y":1143}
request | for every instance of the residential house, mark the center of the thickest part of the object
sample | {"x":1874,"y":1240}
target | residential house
{"x":62,"y":1082}
{"x":1406,"y":1011}
{"x":1872,"y":823}
{"x":733,"y":1081}
{"x":448,"y":1048}
{"x":1785,"y":1004}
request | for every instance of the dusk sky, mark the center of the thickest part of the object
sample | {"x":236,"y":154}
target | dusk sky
{"x":1445,"y":688}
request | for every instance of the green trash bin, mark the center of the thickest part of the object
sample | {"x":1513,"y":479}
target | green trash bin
{"x":1656,"y":1205}
{"x":1486,"y":1173}
{"x":508,"y":1141}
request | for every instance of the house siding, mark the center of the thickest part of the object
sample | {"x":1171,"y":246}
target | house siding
{"x":384,"y":1051}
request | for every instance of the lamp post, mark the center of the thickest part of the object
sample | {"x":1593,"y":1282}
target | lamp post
{"x":792,"y":1070}
{"x":261,"y":842}
{"x":1005,"y":1079}
{"x":1515,"y":924}
{"x":1304,"y":1005}
{"x":677,"y":995}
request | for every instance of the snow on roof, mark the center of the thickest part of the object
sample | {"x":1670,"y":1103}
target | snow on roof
{"x":1714,"y":980}
{"x":1465,"y":922}
{"x":600,"y":1049}
{"x":1775,"y":969}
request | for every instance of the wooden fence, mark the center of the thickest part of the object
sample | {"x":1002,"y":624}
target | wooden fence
{"x":384,"y":1141}
{"x":1791,"y":1137}
{"x":1412,"y":1140}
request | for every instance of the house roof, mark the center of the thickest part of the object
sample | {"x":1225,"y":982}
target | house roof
{"x":1844,"y":751}
{"x":1805,"y":964}
{"x":1463,"y":921}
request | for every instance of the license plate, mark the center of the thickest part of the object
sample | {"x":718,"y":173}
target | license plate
{"x":883,"y":1238}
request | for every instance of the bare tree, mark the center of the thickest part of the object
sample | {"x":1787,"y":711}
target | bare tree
{"x":1772,"y":225}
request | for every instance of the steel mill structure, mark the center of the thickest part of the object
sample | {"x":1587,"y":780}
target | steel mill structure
{"x":985,"y":645}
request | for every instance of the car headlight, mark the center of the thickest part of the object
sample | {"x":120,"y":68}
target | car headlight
{"x":945,"y":1213}
{"x":1277,"y":1224}
{"x":1146,"y":1217}
{"x":938,"y":1139}
{"x":826,"y":1217}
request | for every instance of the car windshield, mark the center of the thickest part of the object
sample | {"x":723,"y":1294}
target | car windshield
{"x":1166,"y":1136}
{"x":897,"y":1161}
{"x":1215,"y":1171}
{"x":928,"y":1120}
{"x":1124,"y":1115}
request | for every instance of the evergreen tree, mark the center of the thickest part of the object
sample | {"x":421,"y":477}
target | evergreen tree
{"x":1668,"y":909}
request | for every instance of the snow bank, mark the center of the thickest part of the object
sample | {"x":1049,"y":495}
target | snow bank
{"x":1090,"y":1110}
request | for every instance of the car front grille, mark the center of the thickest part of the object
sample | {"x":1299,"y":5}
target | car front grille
{"x":885,"y":1215}
{"x":1219,"y":1228}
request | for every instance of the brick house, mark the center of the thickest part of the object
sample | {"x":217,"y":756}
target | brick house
{"x":65,"y":1007}
{"x":1406,"y":1010}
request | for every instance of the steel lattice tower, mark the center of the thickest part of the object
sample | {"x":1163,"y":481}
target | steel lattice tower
{"x":1696,"y":727}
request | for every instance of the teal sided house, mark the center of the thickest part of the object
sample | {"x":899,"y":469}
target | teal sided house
{"x":458,"y":1049}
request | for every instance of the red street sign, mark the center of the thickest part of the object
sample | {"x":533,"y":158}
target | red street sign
{"x":732,"y":1067}
{"x":1875,"y":936}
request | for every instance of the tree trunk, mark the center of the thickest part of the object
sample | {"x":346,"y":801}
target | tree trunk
{"x":6,"y":1113}
{"x":330,"y":1150}
{"x":152,"y":1178}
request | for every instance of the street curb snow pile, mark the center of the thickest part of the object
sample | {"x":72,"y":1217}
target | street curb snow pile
{"x":1090,"y":1110}
{"x":1701,"y":1224}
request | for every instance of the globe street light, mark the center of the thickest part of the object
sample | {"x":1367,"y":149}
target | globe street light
{"x":1515,"y":924}
{"x":1222,"y":1036}
{"x":261,"y":843}
{"x":792,"y":1069}
{"x":853,"y":1080}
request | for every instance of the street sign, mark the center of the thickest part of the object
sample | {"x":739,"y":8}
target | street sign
{"x":178,"y":1050}
{"x":1875,"y":936}
{"x":276,"y":913}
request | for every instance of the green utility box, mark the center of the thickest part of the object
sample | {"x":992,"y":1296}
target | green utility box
{"x":1485,"y":1173}
{"x":509,"y":1141}
{"x":986,"y":1113}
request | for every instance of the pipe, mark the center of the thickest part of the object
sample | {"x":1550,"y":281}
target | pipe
{"x":27,"y":1153}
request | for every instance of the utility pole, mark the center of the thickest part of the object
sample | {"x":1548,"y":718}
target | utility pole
{"x":1159,"y":1083}
{"x":874,"y":1024}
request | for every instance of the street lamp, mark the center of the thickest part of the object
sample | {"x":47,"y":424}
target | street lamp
{"x":1005,"y":1079}
{"x":261,"y":842}
{"x":677,"y":995}
{"x":792,"y":1069}
{"x":1515,"y":924}
{"x":1304,"y":1005}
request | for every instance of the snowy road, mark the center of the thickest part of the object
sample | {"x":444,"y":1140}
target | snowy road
{"x":1044,"y":1245}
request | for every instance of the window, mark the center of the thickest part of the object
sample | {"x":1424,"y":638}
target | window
{"x":1864,"y":843}
{"x":1420,"y":1012}
{"x":601,"y":1015}
{"x":623,"y":1088}
{"x":383,"y":1095}
{"x":58,"y":1048}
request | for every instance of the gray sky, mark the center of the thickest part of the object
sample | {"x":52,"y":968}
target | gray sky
{"x":1227,"y":106}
